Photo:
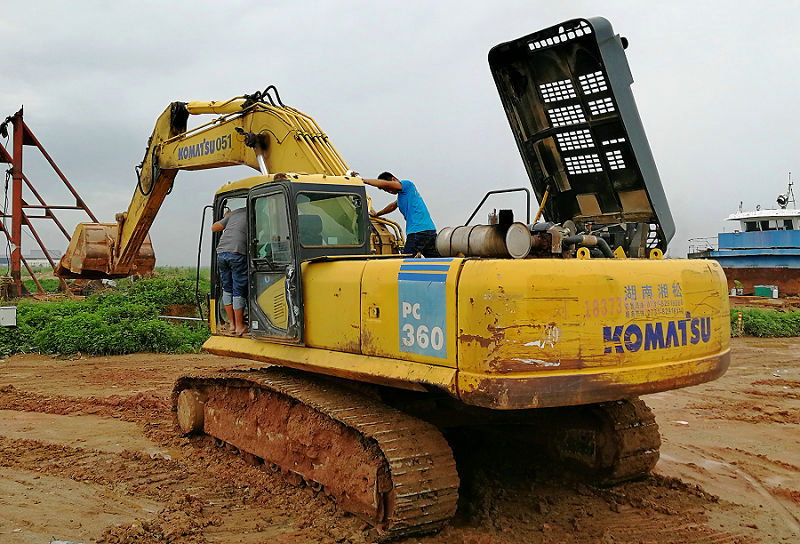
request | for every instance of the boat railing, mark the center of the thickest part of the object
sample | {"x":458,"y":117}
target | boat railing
{"x":703,"y":244}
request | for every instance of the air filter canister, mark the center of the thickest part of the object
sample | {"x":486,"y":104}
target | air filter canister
{"x":518,"y":240}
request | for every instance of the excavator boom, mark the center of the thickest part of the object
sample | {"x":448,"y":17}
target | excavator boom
{"x":266,"y":137}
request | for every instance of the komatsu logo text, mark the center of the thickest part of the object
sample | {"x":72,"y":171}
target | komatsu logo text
{"x":657,"y":335}
{"x":206,"y":147}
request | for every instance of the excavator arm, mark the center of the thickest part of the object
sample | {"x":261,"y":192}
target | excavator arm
{"x":267,"y":137}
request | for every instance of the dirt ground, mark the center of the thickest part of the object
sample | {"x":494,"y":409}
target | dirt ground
{"x":88,"y":454}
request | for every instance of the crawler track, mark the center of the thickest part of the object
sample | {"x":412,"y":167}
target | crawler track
{"x":393,"y":470}
{"x":612,"y":441}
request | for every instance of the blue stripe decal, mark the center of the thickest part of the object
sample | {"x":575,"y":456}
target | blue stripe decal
{"x":431,"y":260}
{"x":442,"y":278}
{"x":439,"y":267}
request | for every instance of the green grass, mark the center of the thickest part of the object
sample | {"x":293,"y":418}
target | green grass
{"x":109,"y":323}
{"x":765,"y":323}
{"x":50,"y":285}
{"x":37,"y":270}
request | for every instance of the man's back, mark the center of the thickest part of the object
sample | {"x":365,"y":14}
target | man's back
{"x":413,"y":208}
{"x":234,"y":237}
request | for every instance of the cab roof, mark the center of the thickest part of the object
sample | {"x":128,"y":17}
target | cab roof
{"x":323,"y":179}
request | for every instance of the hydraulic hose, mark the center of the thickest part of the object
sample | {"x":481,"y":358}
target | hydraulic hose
{"x":589,"y":240}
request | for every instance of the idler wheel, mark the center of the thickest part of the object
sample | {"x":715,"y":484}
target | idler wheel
{"x":191,"y":411}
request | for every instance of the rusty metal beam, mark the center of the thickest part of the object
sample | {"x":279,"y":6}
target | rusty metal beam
{"x":22,"y":259}
{"x":46,"y":207}
{"x":78,"y":198}
{"x":41,"y":201}
{"x":23,"y":136}
{"x":16,"y":204}
{"x":39,"y":289}
{"x":4,"y":156}
{"x":44,"y":249}
{"x":29,"y":216}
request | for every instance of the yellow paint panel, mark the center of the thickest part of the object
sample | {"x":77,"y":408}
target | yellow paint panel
{"x":424,"y":328}
{"x":273,"y":303}
{"x":405,"y":374}
{"x":532,"y":316}
{"x":331,"y":293}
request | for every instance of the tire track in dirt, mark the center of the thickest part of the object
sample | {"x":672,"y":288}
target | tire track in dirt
{"x":508,"y":497}
{"x":756,"y":469}
{"x":201,"y":490}
{"x":198,"y":495}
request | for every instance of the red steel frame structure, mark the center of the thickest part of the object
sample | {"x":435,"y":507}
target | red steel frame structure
{"x":19,"y":206}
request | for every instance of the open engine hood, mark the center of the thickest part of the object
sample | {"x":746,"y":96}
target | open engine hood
{"x":566,"y":92}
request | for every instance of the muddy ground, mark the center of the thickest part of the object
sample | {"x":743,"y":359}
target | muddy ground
{"x":88,"y":454}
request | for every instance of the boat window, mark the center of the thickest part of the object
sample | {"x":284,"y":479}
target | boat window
{"x":787,"y":224}
{"x":764,"y":225}
{"x":750,"y":226}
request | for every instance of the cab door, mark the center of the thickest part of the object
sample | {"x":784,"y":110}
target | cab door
{"x":274,"y":294}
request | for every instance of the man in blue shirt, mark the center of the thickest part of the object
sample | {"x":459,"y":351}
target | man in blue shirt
{"x":420,"y":230}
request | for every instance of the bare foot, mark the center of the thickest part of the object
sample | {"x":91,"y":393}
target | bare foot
{"x":240,"y":332}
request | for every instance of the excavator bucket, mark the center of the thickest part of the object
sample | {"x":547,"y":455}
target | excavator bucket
{"x":89,"y":255}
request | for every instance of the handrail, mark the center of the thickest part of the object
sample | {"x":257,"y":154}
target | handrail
{"x":498,"y":191}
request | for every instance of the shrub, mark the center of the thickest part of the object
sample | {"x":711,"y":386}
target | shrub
{"x":765,"y":323}
{"x":170,"y":282}
{"x":104,"y":324}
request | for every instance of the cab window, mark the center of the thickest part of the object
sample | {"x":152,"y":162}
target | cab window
{"x":271,"y":230}
{"x":330,"y":219}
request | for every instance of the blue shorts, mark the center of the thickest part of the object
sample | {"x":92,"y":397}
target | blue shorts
{"x":233,"y":273}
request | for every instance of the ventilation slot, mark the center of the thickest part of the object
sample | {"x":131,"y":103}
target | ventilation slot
{"x":653,"y":238}
{"x":561,"y":36}
{"x":279,"y":309}
{"x":614,"y":141}
{"x":583,"y":164}
{"x":593,"y":83}
{"x":599,"y":107}
{"x":569,"y":115}
{"x":557,"y":90}
{"x":578,"y":139}
{"x":615,"y":159}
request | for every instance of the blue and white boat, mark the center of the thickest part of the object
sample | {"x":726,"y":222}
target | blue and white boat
{"x":763,"y":249}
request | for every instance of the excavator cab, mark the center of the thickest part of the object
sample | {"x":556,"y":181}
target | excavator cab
{"x":292,"y":220}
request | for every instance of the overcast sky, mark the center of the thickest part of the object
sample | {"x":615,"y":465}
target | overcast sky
{"x":403,"y":86}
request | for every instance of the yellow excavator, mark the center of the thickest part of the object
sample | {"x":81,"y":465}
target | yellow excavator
{"x":364,"y":357}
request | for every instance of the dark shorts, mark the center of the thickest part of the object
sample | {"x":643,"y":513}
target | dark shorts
{"x":423,"y":242}
{"x":233,"y":273}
